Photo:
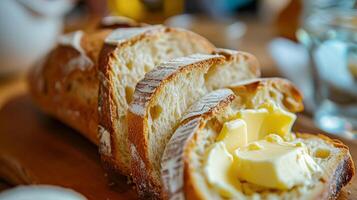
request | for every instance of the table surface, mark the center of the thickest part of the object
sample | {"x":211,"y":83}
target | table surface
{"x":37,"y":149}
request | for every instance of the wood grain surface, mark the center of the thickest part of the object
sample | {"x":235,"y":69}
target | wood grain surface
{"x":36,"y":149}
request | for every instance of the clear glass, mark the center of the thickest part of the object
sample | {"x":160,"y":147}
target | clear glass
{"x":331,"y":38}
{"x":315,"y":5}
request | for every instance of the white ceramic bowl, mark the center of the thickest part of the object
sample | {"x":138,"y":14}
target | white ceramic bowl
{"x":28,"y":30}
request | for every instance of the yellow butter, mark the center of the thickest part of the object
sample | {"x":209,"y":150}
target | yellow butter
{"x":274,"y":138}
{"x":279,"y":122}
{"x":278,"y":165}
{"x":254,"y":119}
{"x":267,"y":120}
{"x":233,"y":134}
{"x":255,"y":147}
{"x":219,"y":173}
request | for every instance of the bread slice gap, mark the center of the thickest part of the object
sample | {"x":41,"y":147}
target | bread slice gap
{"x":183,"y":159}
{"x":127,"y":55}
{"x":161,"y":98}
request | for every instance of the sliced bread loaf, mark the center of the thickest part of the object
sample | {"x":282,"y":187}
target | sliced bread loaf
{"x":161,"y":98}
{"x":125,"y":58}
{"x":183,"y":162}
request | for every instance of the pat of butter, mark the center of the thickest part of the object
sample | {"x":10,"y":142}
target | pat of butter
{"x":277,"y":165}
{"x":233,"y":134}
{"x":267,"y":120}
{"x":219,"y":173}
{"x":279,"y":122}
{"x":254,"y":119}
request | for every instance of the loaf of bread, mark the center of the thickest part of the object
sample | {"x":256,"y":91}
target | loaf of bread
{"x":162,"y":97}
{"x":184,"y":166}
{"x":65,"y":85}
{"x":154,"y":99}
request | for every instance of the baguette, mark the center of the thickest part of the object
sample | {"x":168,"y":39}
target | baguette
{"x":125,"y":58}
{"x":161,"y":98}
{"x":182,"y":162}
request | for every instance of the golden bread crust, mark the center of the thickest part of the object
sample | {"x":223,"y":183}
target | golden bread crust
{"x":70,"y":96}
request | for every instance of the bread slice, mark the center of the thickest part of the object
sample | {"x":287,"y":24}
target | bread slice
{"x":161,"y":98}
{"x":182,"y":161}
{"x":125,"y":58}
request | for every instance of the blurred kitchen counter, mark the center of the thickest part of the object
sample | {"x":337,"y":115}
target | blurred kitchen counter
{"x":12,"y":86}
{"x":4,"y":185}
{"x":256,"y":40}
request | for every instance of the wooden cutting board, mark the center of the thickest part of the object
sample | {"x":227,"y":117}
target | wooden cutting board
{"x":36,"y":149}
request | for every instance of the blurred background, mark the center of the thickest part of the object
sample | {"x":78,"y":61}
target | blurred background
{"x":30,"y":28}
{"x":238,"y":24}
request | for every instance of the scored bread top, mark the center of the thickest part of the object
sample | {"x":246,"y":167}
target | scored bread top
{"x":174,"y":169}
{"x":164,"y":94}
{"x":82,"y":62}
{"x":65,"y":83}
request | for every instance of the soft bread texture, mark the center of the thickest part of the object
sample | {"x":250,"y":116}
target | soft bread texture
{"x":161,"y":98}
{"x":257,"y":91}
{"x":182,"y":173}
{"x":125,"y":58}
